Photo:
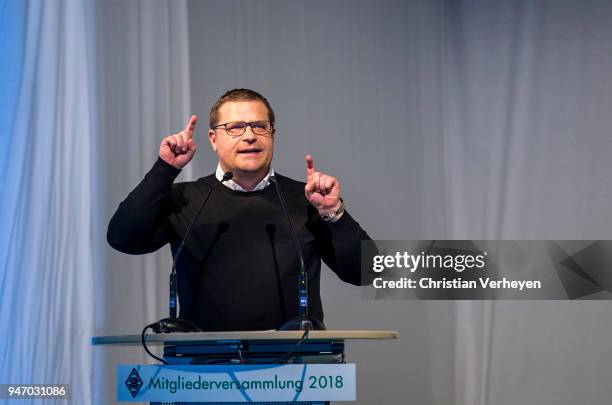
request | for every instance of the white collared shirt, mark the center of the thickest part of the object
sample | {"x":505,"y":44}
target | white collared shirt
{"x":265,"y":182}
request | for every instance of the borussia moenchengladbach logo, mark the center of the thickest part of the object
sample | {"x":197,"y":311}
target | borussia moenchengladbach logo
{"x":133,"y":383}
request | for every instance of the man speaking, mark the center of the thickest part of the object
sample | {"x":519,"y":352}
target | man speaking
{"x":239,"y":267}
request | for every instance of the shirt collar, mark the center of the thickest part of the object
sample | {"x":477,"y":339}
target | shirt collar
{"x":265,"y":182}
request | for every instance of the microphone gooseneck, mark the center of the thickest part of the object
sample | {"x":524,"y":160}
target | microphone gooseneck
{"x":303,"y":321}
{"x":172,"y":323}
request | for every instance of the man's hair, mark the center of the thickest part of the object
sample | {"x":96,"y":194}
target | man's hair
{"x":238,"y":95}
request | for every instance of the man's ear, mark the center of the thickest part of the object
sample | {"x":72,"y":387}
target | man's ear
{"x":212,"y":137}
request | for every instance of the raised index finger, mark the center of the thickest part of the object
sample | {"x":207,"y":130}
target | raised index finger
{"x":310,"y":169}
{"x":191,"y":125}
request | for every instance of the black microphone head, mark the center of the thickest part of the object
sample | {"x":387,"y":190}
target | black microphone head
{"x":227,"y":176}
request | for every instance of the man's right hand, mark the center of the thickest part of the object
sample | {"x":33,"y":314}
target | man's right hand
{"x":177,"y":150}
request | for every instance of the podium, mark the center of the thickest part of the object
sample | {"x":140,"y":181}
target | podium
{"x":249,"y":348}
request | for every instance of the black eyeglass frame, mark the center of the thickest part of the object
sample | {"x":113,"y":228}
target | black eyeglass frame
{"x":247,"y":124}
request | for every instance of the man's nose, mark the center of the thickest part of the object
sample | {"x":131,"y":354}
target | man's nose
{"x":249,"y":135}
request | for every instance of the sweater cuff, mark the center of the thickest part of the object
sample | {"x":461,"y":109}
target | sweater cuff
{"x":344,"y":222}
{"x":162,"y":175}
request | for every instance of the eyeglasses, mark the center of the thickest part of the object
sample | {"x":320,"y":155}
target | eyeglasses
{"x":236,"y":129}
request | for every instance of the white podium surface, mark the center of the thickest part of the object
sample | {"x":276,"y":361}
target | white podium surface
{"x":208,"y":337}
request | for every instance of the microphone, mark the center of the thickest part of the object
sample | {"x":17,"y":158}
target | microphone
{"x":172,"y":323}
{"x":303,"y":321}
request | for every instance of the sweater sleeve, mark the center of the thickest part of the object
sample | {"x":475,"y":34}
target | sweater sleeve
{"x":140,"y":224}
{"x":340,"y":248}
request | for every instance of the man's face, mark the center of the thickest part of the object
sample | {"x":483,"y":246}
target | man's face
{"x":248,"y":155}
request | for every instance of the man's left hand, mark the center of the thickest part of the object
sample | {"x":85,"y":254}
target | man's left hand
{"x":321,"y":190}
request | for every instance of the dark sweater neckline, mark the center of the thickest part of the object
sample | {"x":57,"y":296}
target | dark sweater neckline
{"x":211,"y":180}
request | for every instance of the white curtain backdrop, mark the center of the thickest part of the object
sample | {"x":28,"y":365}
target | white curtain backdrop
{"x":527,"y":146}
{"x":47,"y":254}
{"x":144,"y":90}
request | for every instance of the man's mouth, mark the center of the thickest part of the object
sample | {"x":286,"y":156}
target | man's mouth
{"x":249,"y":151}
